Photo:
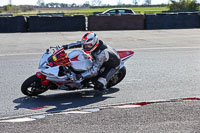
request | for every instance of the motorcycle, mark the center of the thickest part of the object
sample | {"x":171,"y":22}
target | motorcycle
{"x":57,"y":70}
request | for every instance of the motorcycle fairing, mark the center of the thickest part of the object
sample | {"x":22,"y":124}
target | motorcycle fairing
{"x":80,"y":60}
{"x":124,"y":55}
{"x":44,"y":59}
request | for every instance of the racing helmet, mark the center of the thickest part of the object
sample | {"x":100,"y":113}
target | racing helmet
{"x":90,"y":42}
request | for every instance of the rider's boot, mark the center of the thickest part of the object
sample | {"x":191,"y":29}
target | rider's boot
{"x":100,"y":84}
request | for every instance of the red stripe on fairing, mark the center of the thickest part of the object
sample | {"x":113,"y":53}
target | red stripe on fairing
{"x":74,"y":59}
{"x":124,"y":54}
{"x":40,"y":75}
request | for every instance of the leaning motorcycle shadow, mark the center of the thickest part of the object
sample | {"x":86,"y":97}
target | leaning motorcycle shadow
{"x":63,"y":101}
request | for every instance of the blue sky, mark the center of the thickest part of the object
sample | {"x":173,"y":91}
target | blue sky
{"x":111,"y":2}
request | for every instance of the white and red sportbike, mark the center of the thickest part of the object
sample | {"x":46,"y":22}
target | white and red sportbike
{"x":58,"y":70}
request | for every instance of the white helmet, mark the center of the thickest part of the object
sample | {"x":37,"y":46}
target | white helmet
{"x":90,"y":42}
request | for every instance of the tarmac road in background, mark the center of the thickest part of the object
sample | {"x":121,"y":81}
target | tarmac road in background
{"x":166,"y":65}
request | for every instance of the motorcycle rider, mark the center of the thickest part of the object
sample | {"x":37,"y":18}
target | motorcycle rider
{"x":106,"y":59}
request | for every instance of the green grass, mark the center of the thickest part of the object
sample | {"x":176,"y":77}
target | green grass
{"x":150,"y":9}
{"x":89,"y":11}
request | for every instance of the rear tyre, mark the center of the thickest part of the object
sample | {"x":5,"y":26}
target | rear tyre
{"x":32,"y":86}
{"x":116,"y":78}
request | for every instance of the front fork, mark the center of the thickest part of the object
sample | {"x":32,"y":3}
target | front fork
{"x":44,"y":81}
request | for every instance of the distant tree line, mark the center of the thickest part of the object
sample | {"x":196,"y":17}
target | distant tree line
{"x":183,"y":5}
{"x":63,"y":5}
{"x":16,"y":9}
{"x":94,"y":3}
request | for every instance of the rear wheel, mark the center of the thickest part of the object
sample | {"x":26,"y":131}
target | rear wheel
{"x":116,"y":78}
{"x":32,"y":86}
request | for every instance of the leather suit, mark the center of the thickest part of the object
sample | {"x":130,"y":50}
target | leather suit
{"x":106,"y":63}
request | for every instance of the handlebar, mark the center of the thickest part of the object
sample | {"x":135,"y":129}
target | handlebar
{"x":55,"y":47}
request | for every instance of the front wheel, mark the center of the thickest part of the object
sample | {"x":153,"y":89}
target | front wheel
{"x":32,"y":86}
{"x":116,"y":78}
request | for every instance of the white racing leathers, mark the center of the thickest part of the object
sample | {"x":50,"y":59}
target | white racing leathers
{"x":106,"y":62}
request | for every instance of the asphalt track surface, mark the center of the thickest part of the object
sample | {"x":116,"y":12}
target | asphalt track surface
{"x":164,"y":70}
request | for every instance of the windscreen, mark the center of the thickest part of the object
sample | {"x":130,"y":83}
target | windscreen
{"x":59,"y":58}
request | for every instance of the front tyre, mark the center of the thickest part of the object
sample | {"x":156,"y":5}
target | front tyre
{"x":116,"y":78}
{"x":32,"y":86}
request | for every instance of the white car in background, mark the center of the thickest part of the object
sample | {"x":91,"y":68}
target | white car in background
{"x":119,"y":11}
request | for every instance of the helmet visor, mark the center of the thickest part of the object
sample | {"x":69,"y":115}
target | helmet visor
{"x":87,"y":47}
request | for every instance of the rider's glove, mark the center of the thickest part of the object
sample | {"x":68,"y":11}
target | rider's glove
{"x":79,"y":76}
{"x":65,"y":47}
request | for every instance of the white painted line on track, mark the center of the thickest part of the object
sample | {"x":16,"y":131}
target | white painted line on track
{"x":127,"y":106}
{"x":20,"y":54}
{"x":167,"y":48}
{"x":74,"y":112}
{"x":25,"y":119}
{"x":134,"y":49}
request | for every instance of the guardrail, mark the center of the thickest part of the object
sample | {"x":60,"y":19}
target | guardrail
{"x":50,"y":24}
{"x":172,"y":21}
{"x":99,"y":22}
{"x":116,"y":22}
{"x":13,"y":24}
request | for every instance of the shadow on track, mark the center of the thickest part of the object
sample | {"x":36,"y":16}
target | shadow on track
{"x":63,"y":101}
